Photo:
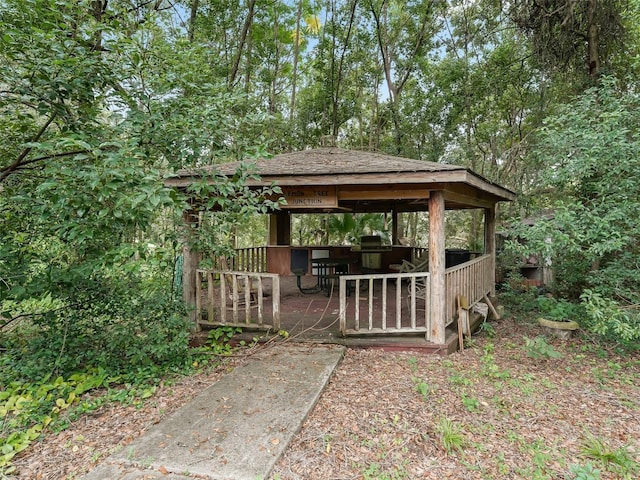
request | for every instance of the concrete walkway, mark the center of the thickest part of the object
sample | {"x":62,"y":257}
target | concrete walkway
{"x":237,"y":428}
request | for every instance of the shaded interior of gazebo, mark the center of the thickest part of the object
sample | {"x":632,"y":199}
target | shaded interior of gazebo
{"x":367,"y":290}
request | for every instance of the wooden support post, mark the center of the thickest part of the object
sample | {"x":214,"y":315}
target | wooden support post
{"x":280,"y":228}
{"x":490,"y":242}
{"x":437,"y":267}
{"x":190,"y":262}
{"x":394,"y":227}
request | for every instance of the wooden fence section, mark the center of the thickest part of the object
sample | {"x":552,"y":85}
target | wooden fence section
{"x":238,"y":299}
{"x":473,"y":279}
{"x":395,"y":303}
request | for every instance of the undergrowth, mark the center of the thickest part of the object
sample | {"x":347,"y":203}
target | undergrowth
{"x":54,"y":372}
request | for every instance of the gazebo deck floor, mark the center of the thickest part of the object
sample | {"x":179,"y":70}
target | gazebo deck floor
{"x":313,"y":318}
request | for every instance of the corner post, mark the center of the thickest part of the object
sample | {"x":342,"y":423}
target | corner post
{"x":191,"y":260}
{"x":437,"y":267}
{"x":490,"y":243}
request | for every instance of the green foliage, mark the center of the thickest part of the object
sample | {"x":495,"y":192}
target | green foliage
{"x":488,"y":328}
{"x":219,"y":338}
{"x":519,"y":301}
{"x":450,"y":435}
{"x":559,"y":310}
{"x":584,"y":472}
{"x":421,"y":387}
{"x":27,"y":409}
{"x":489,"y":367}
{"x":616,"y":460}
{"x":588,"y":154}
{"x":538,"y":348}
{"x":103,"y":325}
{"x":608,"y":318}
{"x":471,"y":403}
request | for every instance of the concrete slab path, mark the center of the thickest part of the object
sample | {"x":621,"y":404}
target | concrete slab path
{"x":237,"y":428}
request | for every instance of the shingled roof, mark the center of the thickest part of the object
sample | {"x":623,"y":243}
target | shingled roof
{"x":340,"y":168}
{"x":327,"y":161}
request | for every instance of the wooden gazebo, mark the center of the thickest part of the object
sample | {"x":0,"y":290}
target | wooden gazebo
{"x":333,"y":180}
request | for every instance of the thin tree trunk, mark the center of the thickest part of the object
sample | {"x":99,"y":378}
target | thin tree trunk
{"x":192,"y":19}
{"x":243,"y":38}
{"x":296,"y":53}
{"x":395,"y":88}
{"x":592,"y":40}
{"x":337,"y":92}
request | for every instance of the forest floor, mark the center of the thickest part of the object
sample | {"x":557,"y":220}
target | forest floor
{"x":489,"y":412}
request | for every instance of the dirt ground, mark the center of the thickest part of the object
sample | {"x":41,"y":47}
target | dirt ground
{"x":490,"y":412}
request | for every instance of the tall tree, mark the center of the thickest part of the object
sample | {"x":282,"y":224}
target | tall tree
{"x":579,"y":35}
{"x":404,"y":33}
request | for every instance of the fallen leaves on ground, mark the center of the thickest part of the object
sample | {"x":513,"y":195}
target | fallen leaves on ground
{"x":490,"y":412}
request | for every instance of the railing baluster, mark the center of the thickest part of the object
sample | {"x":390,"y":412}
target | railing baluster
{"x":198,"y":295}
{"x":211,"y":293}
{"x":384,"y":303}
{"x":398,"y":302}
{"x":357,"y":306}
{"x":371,"y":303}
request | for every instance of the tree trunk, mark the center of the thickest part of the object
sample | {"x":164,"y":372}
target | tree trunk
{"x":243,"y":38}
{"x":593,"y":35}
{"x":296,"y":54}
{"x":192,"y":19}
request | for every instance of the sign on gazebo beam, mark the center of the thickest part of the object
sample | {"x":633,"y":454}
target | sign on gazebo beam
{"x":305,"y":197}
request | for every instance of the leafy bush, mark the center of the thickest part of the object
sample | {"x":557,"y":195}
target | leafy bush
{"x":588,"y":154}
{"x":609,"y":319}
{"x":113,"y":322}
{"x":559,"y":310}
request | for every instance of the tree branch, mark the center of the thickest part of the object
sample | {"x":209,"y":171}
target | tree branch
{"x":6,"y":171}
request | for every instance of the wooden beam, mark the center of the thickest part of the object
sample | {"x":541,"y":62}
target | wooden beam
{"x":437,"y":268}
{"x":400,"y":178}
{"x":386,"y":192}
{"x":464,"y":195}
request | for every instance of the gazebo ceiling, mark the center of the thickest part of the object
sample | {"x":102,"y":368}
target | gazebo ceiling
{"x":338,"y":180}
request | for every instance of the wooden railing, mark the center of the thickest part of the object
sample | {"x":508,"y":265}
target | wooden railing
{"x":238,"y":299}
{"x":407,"y":313}
{"x":250,"y":259}
{"x":473,"y":279}
{"x":418,"y":252}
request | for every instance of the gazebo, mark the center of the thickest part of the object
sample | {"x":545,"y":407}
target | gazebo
{"x":334,"y":180}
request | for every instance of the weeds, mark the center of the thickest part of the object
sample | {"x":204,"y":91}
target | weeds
{"x":489,"y":367}
{"x":421,"y":387}
{"x":538,"y":349}
{"x":471,"y":404}
{"x":583,"y":472}
{"x":617,"y":460}
{"x":450,"y":435}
